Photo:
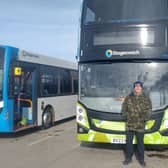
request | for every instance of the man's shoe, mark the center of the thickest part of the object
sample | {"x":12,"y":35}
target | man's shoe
{"x":127,"y":161}
{"x":142,"y":163}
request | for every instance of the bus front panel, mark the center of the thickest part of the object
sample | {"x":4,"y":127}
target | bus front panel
{"x":103,"y":87}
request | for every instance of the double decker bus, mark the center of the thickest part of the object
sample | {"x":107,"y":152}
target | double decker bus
{"x":35,"y":90}
{"x":122,"y":41}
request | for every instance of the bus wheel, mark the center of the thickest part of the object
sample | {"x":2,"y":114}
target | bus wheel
{"x":47,"y":118}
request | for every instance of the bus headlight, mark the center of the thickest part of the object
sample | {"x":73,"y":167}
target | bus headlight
{"x":81,"y":116}
{"x":165,"y":120}
{"x":164,"y":124}
{"x":1,"y":104}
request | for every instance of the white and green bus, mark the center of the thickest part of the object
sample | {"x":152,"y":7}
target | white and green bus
{"x":122,"y":41}
{"x":35,"y":90}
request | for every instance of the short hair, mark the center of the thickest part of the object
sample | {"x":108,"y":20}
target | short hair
{"x":138,"y":83}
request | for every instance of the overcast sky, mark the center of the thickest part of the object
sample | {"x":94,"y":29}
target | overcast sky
{"x":48,"y":27}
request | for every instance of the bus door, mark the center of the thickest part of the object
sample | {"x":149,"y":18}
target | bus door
{"x":24,"y":88}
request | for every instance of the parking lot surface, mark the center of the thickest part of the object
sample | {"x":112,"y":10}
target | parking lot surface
{"x":58,"y":147}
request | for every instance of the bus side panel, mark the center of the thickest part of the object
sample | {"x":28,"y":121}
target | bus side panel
{"x":63,"y":106}
{"x":11,"y":115}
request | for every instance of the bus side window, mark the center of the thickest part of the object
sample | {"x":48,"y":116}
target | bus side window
{"x":75,"y":83}
{"x":49,"y":82}
{"x":10,"y":82}
{"x":74,"y":76}
{"x":66,"y":82}
{"x":16,"y":85}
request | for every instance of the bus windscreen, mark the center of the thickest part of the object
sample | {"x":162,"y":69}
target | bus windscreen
{"x":124,"y":10}
{"x":104,"y":86}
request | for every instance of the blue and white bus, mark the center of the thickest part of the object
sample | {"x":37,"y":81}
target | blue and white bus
{"x":35,"y":90}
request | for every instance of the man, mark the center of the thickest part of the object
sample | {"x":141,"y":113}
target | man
{"x":136,"y":108}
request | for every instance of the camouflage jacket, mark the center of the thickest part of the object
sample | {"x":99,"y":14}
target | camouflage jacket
{"x":136,"y":109}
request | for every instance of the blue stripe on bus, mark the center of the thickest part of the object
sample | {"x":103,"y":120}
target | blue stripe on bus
{"x":5,"y":126}
{"x":6,"y":117}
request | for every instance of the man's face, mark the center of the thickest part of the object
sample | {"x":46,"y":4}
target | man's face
{"x":138,"y":88}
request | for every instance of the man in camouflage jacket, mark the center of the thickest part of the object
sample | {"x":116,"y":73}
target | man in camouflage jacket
{"x":136,"y":108}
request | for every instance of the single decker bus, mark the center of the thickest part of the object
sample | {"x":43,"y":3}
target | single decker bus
{"x":35,"y":90}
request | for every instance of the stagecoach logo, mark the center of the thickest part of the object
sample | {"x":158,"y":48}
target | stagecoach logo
{"x":26,"y":54}
{"x":109,"y":53}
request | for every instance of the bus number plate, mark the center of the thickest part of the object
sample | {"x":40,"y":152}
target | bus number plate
{"x":119,"y":140}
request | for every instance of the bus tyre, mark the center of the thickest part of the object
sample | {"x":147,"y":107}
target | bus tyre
{"x":47,"y":118}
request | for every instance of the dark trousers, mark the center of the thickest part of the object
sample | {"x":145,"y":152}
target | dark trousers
{"x":130,"y":147}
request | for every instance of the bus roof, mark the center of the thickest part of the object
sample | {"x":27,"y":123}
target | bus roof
{"x":45,"y":60}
